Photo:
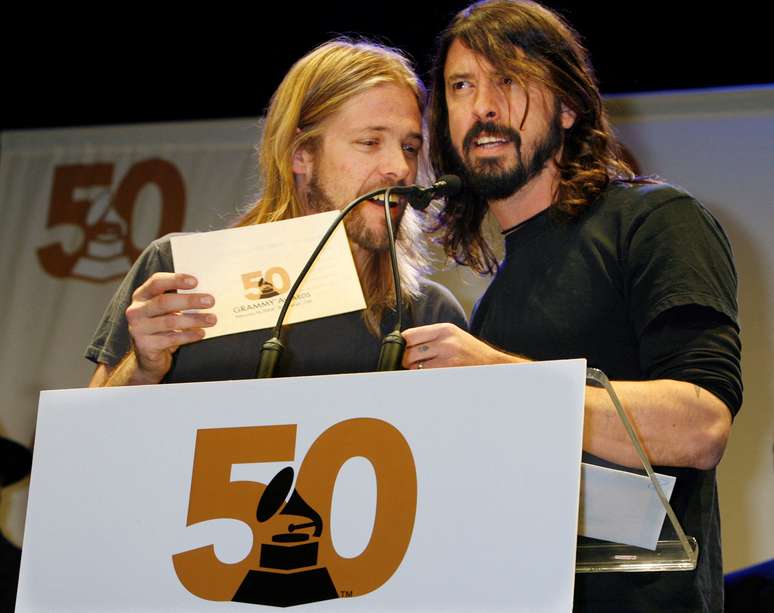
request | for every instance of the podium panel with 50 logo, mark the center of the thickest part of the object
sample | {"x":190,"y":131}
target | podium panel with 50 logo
{"x":449,"y":489}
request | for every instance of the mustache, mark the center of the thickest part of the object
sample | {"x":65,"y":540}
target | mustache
{"x":492,"y":129}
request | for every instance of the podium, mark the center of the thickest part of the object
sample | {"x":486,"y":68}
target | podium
{"x":445,"y":489}
{"x":448,"y":489}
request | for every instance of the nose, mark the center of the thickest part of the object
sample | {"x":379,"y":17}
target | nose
{"x":486,"y":102}
{"x":395,"y":167}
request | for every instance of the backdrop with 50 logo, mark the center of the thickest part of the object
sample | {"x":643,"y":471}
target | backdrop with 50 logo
{"x":78,"y":207}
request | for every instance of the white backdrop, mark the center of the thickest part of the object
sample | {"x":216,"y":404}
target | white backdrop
{"x":717,"y":144}
{"x":720,"y":147}
{"x":98,"y":193}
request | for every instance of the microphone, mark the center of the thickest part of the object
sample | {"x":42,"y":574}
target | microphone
{"x":419,"y":197}
{"x":393,"y":344}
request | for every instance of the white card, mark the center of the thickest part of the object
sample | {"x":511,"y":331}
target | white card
{"x":621,"y":507}
{"x":250,"y":270}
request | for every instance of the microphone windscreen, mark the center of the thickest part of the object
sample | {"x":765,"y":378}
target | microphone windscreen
{"x":453,"y":184}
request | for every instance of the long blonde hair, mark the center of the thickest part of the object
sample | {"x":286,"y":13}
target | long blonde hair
{"x":314,"y":89}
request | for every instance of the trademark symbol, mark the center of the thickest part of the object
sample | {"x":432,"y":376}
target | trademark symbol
{"x":345,"y":593}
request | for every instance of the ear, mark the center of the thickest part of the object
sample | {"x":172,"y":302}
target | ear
{"x":567,"y":116}
{"x":303,"y":161}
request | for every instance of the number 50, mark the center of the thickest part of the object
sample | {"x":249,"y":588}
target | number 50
{"x":213,"y":496}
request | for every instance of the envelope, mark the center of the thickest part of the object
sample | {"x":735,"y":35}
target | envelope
{"x":250,"y":270}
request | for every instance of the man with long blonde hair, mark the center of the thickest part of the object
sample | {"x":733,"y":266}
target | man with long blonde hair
{"x":634,"y":275}
{"x":347,"y":119}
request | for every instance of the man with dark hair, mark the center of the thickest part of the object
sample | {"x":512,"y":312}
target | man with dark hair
{"x":632,"y":274}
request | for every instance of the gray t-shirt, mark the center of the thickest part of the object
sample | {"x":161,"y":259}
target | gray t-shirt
{"x":330,"y":345}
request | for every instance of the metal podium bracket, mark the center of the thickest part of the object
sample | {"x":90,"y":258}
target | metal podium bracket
{"x":670,"y":555}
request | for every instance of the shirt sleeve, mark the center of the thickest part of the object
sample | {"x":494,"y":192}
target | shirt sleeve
{"x":682,"y":291}
{"x":437,"y":305}
{"x":698,"y":345}
{"x":111,"y":339}
{"x":677,"y":254}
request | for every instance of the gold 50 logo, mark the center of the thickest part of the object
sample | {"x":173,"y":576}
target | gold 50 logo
{"x":85,"y":206}
{"x":293,"y":560}
{"x":258,"y":285}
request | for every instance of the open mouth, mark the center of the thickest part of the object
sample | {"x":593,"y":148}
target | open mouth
{"x":490,"y":142}
{"x":395,"y":200}
{"x":490,"y":139}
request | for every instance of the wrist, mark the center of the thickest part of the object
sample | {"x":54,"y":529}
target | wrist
{"x":502,"y":357}
{"x":131,"y":371}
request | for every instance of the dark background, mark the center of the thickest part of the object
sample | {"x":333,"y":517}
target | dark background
{"x":126,"y":63}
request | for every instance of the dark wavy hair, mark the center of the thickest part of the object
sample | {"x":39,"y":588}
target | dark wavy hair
{"x":531,"y":44}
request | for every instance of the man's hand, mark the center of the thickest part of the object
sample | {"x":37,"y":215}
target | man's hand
{"x":157,"y":324}
{"x":445,"y":344}
{"x":157,"y":327}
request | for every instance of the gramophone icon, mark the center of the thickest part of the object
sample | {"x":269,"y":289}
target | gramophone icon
{"x":289,"y":572}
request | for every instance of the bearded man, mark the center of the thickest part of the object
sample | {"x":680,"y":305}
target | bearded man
{"x":632,"y":274}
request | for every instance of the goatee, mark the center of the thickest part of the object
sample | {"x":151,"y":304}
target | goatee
{"x":488,"y":178}
{"x":358,"y":232}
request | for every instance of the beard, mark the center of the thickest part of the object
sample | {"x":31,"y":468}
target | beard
{"x":358,"y":231}
{"x":488,"y":177}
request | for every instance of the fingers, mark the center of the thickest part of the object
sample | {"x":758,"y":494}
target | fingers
{"x":429,"y":346}
{"x":140,"y":323}
{"x":427,"y":334}
{"x":418,"y":355}
{"x":161,"y":282}
{"x":442,"y":345}
{"x":424,"y":364}
{"x":158,"y":296}
{"x":171,"y":303}
{"x":160,"y":319}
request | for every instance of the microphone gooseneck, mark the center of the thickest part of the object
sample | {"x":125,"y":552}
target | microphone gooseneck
{"x":393,"y":345}
{"x":271,"y":350}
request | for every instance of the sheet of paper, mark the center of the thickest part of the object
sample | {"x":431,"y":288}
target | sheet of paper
{"x":621,"y":507}
{"x":250,"y":271}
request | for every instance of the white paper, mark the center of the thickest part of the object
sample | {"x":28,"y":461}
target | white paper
{"x":250,"y":270}
{"x":621,"y":507}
